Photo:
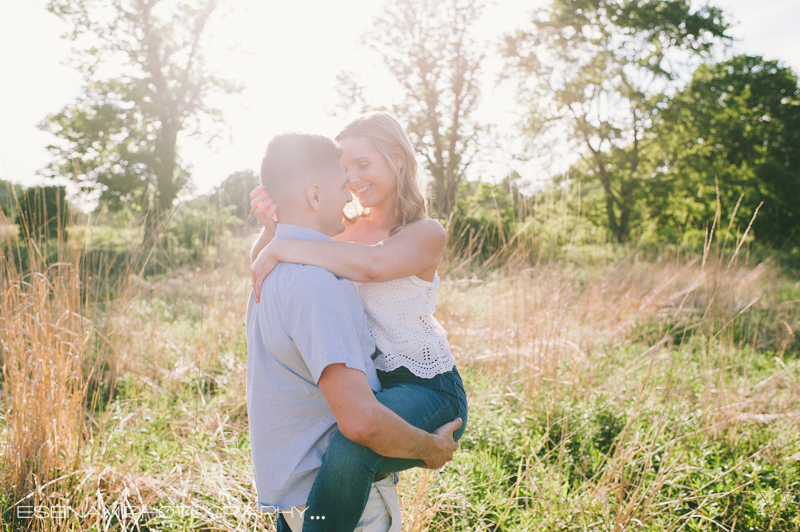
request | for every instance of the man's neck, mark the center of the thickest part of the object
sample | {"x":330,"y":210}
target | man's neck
{"x":302,"y":222}
{"x":299,"y":232}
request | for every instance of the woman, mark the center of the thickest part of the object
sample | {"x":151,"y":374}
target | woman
{"x":391,"y":251}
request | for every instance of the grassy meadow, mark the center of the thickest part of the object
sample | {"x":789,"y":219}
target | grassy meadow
{"x":611,"y":388}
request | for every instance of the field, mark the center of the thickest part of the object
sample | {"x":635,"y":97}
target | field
{"x":610,"y":388}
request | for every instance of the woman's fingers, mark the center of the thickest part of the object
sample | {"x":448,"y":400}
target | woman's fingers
{"x":256,"y":191}
{"x":260,"y":200}
{"x":264,"y":208}
{"x":260,"y":197}
{"x":265,"y":214}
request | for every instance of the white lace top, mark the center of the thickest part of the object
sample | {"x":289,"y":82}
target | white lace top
{"x":400,"y":319}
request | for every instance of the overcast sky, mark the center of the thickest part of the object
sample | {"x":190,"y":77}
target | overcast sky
{"x":288,"y":57}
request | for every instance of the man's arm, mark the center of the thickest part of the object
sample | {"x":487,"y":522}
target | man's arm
{"x":362,"y":419}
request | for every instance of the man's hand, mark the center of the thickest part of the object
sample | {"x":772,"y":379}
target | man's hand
{"x":365,"y":421}
{"x":445,"y":445}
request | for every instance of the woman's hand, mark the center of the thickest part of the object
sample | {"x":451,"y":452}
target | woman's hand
{"x":264,"y":208}
{"x":263,"y":265}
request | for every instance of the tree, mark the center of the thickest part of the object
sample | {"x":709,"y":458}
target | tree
{"x":735,"y":128}
{"x":43,"y":213}
{"x":598,"y":70}
{"x":429,"y":49}
{"x":235,"y":190}
{"x":146,"y":84}
{"x":9,"y":194}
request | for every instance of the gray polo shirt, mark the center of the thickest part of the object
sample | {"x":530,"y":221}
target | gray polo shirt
{"x":307,"y":319}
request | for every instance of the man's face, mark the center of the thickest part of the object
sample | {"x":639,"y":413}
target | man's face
{"x":335,"y":194}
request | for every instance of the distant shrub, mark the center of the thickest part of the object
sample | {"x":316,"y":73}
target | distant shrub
{"x":493,"y":222}
{"x":235,"y":192}
{"x":199,"y":227}
{"x":486,"y":217}
{"x":43,"y":213}
{"x":123,"y":218}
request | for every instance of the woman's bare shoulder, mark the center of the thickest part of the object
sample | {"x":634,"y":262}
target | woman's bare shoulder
{"x":427,"y":227}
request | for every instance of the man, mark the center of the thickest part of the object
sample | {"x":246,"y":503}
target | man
{"x":309,"y":364}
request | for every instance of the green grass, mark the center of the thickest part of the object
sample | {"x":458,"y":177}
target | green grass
{"x":608,"y":390}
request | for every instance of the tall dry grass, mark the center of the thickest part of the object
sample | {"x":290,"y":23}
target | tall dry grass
{"x":72,"y":336}
{"x":45,"y":335}
{"x":654,"y":330}
{"x":549,"y":325}
{"x":83,"y":339}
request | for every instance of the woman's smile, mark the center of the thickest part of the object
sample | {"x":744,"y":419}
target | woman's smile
{"x":371,"y":176}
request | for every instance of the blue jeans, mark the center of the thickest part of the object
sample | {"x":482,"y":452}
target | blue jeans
{"x":342,"y":486}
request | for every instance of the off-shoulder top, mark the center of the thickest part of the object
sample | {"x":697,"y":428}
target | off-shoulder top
{"x":400,"y":320}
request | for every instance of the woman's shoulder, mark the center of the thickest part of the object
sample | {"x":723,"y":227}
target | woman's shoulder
{"x":427,"y":227}
{"x":429,"y":223}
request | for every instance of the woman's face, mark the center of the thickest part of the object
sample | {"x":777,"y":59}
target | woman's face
{"x":369,"y":175}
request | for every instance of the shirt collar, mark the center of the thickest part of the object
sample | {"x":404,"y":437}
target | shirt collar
{"x":298,"y":232}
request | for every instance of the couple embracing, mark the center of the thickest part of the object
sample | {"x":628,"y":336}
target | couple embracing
{"x":350,"y":378}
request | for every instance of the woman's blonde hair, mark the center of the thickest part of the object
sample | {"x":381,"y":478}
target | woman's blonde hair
{"x":390,"y":139}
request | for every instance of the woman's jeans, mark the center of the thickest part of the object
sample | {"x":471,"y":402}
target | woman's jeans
{"x":342,"y":486}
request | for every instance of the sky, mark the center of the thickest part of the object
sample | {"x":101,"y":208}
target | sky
{"x":287,"y":56}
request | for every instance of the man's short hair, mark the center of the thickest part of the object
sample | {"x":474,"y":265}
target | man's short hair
{"x":293,"y":158}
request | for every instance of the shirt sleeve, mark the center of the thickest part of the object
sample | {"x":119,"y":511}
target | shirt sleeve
{"x":326,"y":321}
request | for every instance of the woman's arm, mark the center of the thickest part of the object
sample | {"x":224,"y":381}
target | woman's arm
{"x":264,"y":238}
{"x":264,"y":209}
{"x":414,"y":249}
{"x":411,"y":251}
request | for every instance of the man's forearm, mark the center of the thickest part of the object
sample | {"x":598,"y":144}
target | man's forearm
{"x":263,"y":239}
{"x":390,"y":435}
{"x":366,"y":421}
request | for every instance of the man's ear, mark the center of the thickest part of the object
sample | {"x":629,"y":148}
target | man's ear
{"x":397,"y":161}
{"x":313,"y":192}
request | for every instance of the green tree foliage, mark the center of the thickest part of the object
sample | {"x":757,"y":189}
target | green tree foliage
{"x":487,"y":215}
{"x":596,"y":70}
{"x":43,"y":213}
{"x":9,"y":192}
{"x":640,"y":204}
{"x":146,"y":84}
{"x":235,"y":191}
{"x":429,"y":48}
{"x":735,"y":126}
{"x":202,"y":227}
{"x":199,"y":226}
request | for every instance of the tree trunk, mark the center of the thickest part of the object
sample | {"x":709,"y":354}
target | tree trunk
{"x":605,"y":179}
{"x":626,"y":193}
{"x":166,"y":186}
{"x":439,"y":199}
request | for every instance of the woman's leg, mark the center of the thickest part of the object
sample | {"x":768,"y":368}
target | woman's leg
{"x":280,"y":523}
{"x":342,"y":486}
